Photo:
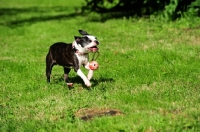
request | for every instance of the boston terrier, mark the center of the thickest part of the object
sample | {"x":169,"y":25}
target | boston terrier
{"x":72,"y":55}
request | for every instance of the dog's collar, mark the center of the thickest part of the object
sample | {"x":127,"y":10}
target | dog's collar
{"x":75,"y":47}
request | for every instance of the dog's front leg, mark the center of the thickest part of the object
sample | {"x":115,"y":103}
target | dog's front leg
{"x":90,"y":73}
{"x":85,"y":79}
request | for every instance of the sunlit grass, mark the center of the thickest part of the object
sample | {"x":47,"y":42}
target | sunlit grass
{"x":148,"y":70}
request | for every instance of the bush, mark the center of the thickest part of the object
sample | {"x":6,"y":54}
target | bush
{"x":169,"y":9}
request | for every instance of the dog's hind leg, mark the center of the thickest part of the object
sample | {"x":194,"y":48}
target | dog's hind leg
{"x":66,"y":72}
{"x":49,"y":65}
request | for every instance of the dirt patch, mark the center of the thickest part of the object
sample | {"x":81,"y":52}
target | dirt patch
{"x":89,"y":113}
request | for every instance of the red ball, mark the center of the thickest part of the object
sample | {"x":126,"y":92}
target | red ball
{"x":93,"y":65}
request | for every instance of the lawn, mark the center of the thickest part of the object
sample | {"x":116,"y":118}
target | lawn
{"x":149,"y":71}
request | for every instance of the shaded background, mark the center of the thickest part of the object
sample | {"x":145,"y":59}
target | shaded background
{"x":12,"y":14}
{"x":170,"y":9}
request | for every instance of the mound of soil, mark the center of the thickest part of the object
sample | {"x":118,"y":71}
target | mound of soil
{"x":89,"y":113}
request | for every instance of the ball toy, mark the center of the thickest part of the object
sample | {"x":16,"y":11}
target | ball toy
{"x":93,"y":65}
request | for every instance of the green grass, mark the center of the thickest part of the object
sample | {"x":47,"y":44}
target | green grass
{"x":148,"y":70}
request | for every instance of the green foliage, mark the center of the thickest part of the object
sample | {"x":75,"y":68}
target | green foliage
{"x":165,"y":9}
{"x":169,"y":11}
{"x":173,"y":10}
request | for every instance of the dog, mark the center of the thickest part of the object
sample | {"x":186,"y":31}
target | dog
{"x":72,"y":55}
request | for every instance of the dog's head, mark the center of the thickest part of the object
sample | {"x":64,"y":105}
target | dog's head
{"x":87,"y":43}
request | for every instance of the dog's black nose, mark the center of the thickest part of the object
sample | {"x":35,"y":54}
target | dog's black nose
{"x":96,"y":41}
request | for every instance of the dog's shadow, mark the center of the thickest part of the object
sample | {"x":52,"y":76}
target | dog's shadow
{"x":77,"y":80}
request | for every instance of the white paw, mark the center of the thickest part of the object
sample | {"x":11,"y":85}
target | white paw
{"x":70,"y":84}
{"x":88,"y":84}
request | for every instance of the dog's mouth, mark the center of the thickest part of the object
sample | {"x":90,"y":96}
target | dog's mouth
{"x":93,"y":49}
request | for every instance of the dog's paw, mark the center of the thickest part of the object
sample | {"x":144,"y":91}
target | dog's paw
{"x":88,"y":84}
{"x":70,"y":84}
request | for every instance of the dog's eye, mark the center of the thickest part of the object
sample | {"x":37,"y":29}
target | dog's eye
{"x":90,"y":41}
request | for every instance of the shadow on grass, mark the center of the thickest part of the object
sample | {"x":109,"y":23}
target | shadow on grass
{"x":77,"y":80}
{"x":13,"y":17}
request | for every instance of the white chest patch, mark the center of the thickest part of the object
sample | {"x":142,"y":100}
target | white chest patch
{"x":83,"y":59}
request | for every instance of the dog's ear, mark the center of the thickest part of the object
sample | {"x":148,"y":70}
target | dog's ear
{"x":82,"y":32}
{"x":77,"y":38}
